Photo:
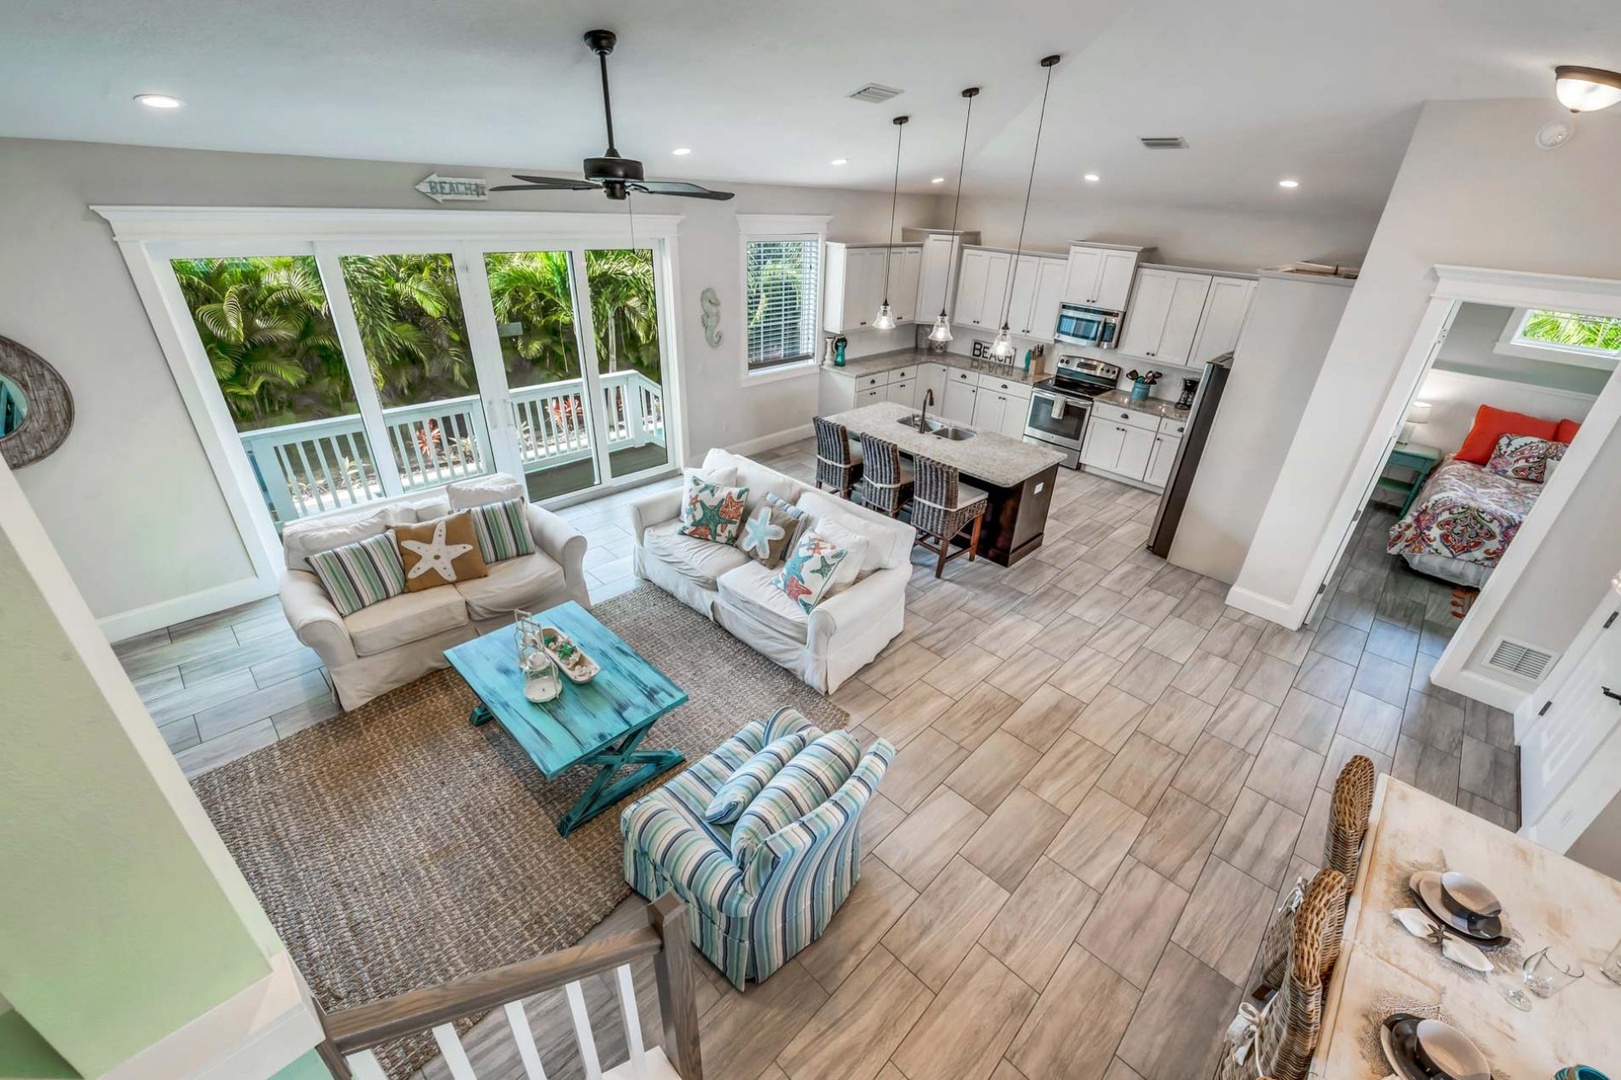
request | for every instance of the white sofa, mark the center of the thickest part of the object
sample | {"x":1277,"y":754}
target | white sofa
{"x":386,"y":645}
{"x":825,"y":647}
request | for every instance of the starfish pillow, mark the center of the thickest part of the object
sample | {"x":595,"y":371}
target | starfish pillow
{"x":712,"y":512}
{"x":440,"y":552}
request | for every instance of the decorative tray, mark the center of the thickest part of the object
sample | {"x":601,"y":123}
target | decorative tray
{"x":572,"y":660}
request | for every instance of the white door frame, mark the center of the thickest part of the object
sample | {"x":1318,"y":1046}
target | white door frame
{"x":149,"y":236}
{"x":1499,"y":288}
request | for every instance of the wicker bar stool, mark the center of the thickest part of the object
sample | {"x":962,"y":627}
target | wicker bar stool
{"x":1348,"y":817}
{"x":886,"y":482}
{"x":837,"y":466}
{"x":942,"y":507}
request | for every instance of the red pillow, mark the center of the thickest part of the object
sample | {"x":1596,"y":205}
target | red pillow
{"x":1567,"y":431}
{"x":1492,"y":424}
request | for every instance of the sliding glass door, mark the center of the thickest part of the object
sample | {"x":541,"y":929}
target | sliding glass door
{"x":354,"y":373}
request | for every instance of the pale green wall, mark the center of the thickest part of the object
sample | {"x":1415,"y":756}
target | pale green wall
{"x":114,"y":928}
{"x":308,"y":1067}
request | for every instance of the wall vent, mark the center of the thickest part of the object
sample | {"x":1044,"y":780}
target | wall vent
{"x":1172,"y":142}
{"x":1521,"y":660}
{"x":875,"y":93}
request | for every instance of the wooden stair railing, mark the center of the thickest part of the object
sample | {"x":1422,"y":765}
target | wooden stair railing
{"x":352,"y":1033}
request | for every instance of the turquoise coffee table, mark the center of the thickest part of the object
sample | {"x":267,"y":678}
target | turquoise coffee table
{"x":599,"y":723}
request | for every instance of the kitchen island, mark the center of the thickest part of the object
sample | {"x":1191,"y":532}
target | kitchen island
{"x":1018,"y":476}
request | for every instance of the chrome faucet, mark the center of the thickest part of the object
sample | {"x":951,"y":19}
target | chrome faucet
{"x":923,"y":417}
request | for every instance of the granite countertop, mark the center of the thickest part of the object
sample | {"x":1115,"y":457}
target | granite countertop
{"x":988,"y":456}
{"x":1160,"y":407}
{"x":889,"y":361}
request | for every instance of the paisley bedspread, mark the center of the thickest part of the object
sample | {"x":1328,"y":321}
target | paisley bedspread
{"x":1464,"y":513}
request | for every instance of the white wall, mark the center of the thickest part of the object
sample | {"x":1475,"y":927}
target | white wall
{"x":1470,"y":347}
{"x":1210,"y":238}
{"x":129,"y":500}
{"x":1291,"y":323}
{"x":1473,"y":190}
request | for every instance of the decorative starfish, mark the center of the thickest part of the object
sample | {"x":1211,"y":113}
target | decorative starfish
{"x":435,"y":554}
{"x":759,"y":534}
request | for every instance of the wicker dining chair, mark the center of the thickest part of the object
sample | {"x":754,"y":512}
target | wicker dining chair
{"x":837,"y":466}
{"x":1348,"y":817}
{"x":942,"y":507}
{"x":1290,"y":1026}
{"x":886,"y":482}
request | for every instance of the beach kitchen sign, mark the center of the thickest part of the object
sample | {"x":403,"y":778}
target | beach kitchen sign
{"x":443,"y":189}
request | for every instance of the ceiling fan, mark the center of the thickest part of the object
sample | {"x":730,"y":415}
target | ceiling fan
{"x":611,"y":173}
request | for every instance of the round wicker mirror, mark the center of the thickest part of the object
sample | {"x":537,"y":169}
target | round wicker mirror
{"x":36,"y":410}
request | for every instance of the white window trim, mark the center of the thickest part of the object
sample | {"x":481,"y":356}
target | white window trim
{"x":1509,"y":343}
{"x":756,"y":227}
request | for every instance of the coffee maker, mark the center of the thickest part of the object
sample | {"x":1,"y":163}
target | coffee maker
{"x":1190,"y":387}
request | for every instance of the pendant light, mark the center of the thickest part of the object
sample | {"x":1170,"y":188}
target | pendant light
{"x":1002,"y":347}
{"x":940,"y":332}
{"x":885,"y":319}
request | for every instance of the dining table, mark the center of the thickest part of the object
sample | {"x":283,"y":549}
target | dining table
{"x":1547,"y":900}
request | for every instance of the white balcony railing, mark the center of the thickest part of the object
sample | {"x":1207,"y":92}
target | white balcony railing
{"x":318,"y":465}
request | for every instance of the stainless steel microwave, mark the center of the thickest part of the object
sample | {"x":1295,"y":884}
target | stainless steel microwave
{"x":1080,"y":325}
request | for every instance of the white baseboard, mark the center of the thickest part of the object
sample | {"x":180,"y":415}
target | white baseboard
{"x":1478,"y":687}
{"x":1267,"y":608}
{"x":771,"y":442}
{"x":142,"y":620}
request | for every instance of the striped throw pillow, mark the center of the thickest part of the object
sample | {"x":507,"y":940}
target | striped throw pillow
{"x":806,"y":782}
{"x":502,"y":531}
{"x":360,"y":574}
{"x":734,"y":796}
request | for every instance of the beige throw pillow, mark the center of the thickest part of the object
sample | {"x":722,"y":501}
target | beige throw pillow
{"x":440,"y":552}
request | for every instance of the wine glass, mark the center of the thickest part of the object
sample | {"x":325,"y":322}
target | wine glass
{"x":1544,"y":973}
{"x":1611,"y":967}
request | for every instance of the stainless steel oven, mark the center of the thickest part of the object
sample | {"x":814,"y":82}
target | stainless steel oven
{"x":1059,"y":406}
{"x":1094,"y":327}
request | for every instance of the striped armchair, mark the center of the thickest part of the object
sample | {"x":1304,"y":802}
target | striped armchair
{"x":750,"y":920}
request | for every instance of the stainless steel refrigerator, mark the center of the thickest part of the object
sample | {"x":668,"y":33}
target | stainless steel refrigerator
{"x":1201,"y":416}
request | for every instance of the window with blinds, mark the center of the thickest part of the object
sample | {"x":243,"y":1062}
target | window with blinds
{"x":782,"y":277}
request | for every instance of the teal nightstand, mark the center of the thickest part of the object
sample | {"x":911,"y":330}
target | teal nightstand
{"x":1416,"y":459}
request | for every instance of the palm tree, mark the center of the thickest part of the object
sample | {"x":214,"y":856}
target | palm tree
{"x":409,"y":311}
{"x":624,"y":308}
{"x":1581,"y":331}
{"x":531,"y":290}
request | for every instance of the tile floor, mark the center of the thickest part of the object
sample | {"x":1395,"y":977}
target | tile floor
{"x":1105,"y":778}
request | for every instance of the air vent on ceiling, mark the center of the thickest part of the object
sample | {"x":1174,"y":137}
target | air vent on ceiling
{"x":1174,"y":142}
{"x":875,"y":93}
{"x":1518,"y":658}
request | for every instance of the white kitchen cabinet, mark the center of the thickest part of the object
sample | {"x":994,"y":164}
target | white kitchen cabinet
{"x":871,"y":397}
{"x":1099,"y":277}
{"x":1135,"y":450}
{"x":1125,"y":442}
{"x":982,"y":288}
{"x":902,"y":392}
{"x":931,"y":377}
{"x":1022,"y":293}
{"x":905,"y":268}
{"x":1038,"y":289}
{"x":1225,"y":308}
{"x":1160,"y":461}
{"x":1101,"y":446}
{"x":1164,"y":316}
{"x":957,"y":405}
{"x":989,"y":409}
{"x":939,"y":269}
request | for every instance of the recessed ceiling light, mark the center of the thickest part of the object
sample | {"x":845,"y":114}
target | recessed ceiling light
{"x":840,"y":161}
{"x":938,"y":180}
{"x":1289,"y":183}
{"x":158,"y":101}
{"x":1091,"y":178}
{"x":681,"y":151}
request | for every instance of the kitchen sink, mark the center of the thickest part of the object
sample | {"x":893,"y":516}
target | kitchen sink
{"x":953,"y":434}
{"x":918,"y":422}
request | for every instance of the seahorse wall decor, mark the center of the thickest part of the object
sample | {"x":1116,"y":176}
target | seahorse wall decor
{"x":711,"y":316}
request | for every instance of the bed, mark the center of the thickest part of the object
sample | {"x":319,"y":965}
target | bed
{"x":1462,"y":521}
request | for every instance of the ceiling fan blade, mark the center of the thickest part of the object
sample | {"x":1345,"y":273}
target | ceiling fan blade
{"x":677,"y":187}
{"x":548,"y":183}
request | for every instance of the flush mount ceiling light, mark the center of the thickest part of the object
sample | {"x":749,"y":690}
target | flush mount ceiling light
{"x":885,"y":320}
{"x":159,"y":101}
{"x":1288,"y":183}
{"x":839,"y":161}
{"x":1586,"y":89}
{"x":940,"y":332}
{"x":1091,"y":178}
{"x":1002,"y":347}
{"x":681,"y":151}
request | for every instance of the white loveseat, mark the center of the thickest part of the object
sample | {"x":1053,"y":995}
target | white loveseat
{"x":386,"y":645}
{"x":825,"y":647}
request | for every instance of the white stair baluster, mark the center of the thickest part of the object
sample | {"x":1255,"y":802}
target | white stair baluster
{"x":450,"y":1045}
{"x":582,"y":1032}
{"x":518,"y":1021}
{"x":365,"y":1066}
{"x":632,"y":1020}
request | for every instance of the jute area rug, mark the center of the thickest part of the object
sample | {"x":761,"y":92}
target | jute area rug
{"x":397,"y":846}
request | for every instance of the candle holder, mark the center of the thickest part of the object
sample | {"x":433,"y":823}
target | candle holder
{"x":542,"y":681}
